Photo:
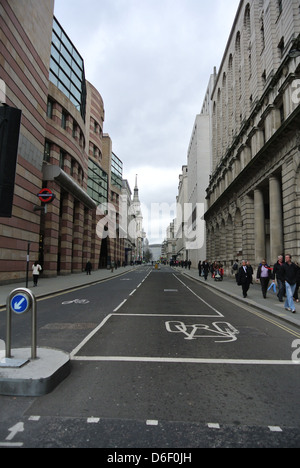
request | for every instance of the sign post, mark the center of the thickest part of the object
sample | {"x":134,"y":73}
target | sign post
{"x":20,"y":301}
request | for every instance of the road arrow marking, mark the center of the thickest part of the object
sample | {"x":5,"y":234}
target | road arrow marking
{"x":19,"y":427}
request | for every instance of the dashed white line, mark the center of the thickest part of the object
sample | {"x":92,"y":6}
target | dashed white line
{"x":152,"y":422}
{"x":11,"y":444}
{"x":213,"y":426}
{"x":275,"y":429}
{"x":93,"y":420}
{"x":120,"y":305}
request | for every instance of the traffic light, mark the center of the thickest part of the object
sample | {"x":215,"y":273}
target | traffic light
{"x":10,"y":121}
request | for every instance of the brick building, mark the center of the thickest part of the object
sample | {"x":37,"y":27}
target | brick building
{"x":61,"y":147}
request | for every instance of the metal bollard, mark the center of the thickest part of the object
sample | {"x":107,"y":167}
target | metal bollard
{"x":20,"y":301}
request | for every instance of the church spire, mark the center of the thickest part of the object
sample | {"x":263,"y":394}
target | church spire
{"x":136,"y":191}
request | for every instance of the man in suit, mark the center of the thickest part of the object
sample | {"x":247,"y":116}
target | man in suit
{"x":244,"y":277}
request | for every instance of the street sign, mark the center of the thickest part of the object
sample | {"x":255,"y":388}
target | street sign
{"x":20,"y":303}
{"x":46,"y":195}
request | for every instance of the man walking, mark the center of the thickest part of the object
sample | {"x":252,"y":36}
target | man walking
{"x":290,"y":273}
{"x":264,"y":275}
{"x":278,"y":275}
{"x":244,"y":278}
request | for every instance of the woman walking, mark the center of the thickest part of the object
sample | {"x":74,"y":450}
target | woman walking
{"x":36,"y":268}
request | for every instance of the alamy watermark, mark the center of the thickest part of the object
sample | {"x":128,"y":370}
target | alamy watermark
{"x":123,"y":222}
{"x":296,"y":353}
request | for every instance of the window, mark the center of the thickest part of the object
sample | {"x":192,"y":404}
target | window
{"x":62,"y":156}
{"x":64,"y":120}
{"x":47,"y":151}
{"x":50,"y":109}
{"x":281,"y":109}
{"x":281,"y":47}
{"x":97,"y":185}
{"x":116,"y":171}
{"x":67,"y":68}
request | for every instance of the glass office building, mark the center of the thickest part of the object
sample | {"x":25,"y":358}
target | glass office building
{"x":116,"y":171}
{"x":97,"y":183}
{"x":67,"y":68}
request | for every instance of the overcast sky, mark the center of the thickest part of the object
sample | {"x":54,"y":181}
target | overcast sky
{"x":151,"y":61}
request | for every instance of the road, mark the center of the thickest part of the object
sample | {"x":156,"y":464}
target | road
{"x":159,"y":361}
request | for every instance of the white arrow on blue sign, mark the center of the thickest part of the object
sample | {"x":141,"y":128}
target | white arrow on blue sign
{"x":20,"y":303}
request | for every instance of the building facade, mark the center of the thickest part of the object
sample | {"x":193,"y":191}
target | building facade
{"x":62,"y":147}
{"x":24,"y":68}
{"x":253,"y":194}
{"x":181,"y":200}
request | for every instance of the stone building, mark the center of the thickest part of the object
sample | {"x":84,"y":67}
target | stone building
{"x":254,"y":191}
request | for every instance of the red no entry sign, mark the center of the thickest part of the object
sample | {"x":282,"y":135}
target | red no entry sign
{"x":46,"y":195}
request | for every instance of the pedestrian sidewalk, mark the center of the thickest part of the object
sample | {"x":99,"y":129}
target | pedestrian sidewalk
{"x":48,"y":286}
{"x":229,"y":287}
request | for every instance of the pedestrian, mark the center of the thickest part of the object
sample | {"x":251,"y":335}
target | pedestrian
{"x":189,"y":264}
{"x":296,"y":293}
{"x":244,"y":278}
{"x":200,"y":267}
{"x":36,"y":268}
{"x":235,"y":269}
{"x":264,"y":275}
{"x":88,"y":268}
{"x":205,"y":267}
{"x":112,"y":266}
{"x":279,"y":277}
{"x":290,"y":274}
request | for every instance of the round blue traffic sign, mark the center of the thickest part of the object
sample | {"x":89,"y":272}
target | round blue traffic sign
{"x":20,"y":303}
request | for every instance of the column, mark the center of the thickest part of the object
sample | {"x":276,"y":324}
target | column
{"x":78,"y":234}
{"x":67,"y":234}
{"x":51,"y":233}
{"x":260,"y":231}
{"x":276,"y":219}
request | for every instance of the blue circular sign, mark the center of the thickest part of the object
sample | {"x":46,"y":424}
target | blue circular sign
{"x":20,"y":303}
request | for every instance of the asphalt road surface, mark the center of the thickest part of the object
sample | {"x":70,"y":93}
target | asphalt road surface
{"x":158,"y":361}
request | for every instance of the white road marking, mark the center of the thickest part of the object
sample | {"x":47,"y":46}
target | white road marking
{"x":200,"y":299}
{"x":93,"y":420}
{"x":275,"y":428}
{"x":34,"y":418}
{"x":120,"y":305}
{"x":88,"y":337}
{"x":11,"y":444}
{"x":152,"y":422}
{"x":239,"y":362}
{"x":213,"y":426}
{"x":163,"y":315}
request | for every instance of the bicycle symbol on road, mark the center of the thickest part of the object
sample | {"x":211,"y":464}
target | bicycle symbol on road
{"x":76,"y":301}
{"x":222,"y":331}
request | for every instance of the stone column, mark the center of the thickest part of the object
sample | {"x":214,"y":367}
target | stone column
{"x":260,"y":231}
{"x":276,"y":219}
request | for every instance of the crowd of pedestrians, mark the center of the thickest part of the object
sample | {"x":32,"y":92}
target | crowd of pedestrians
{"x":283,"y":277}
